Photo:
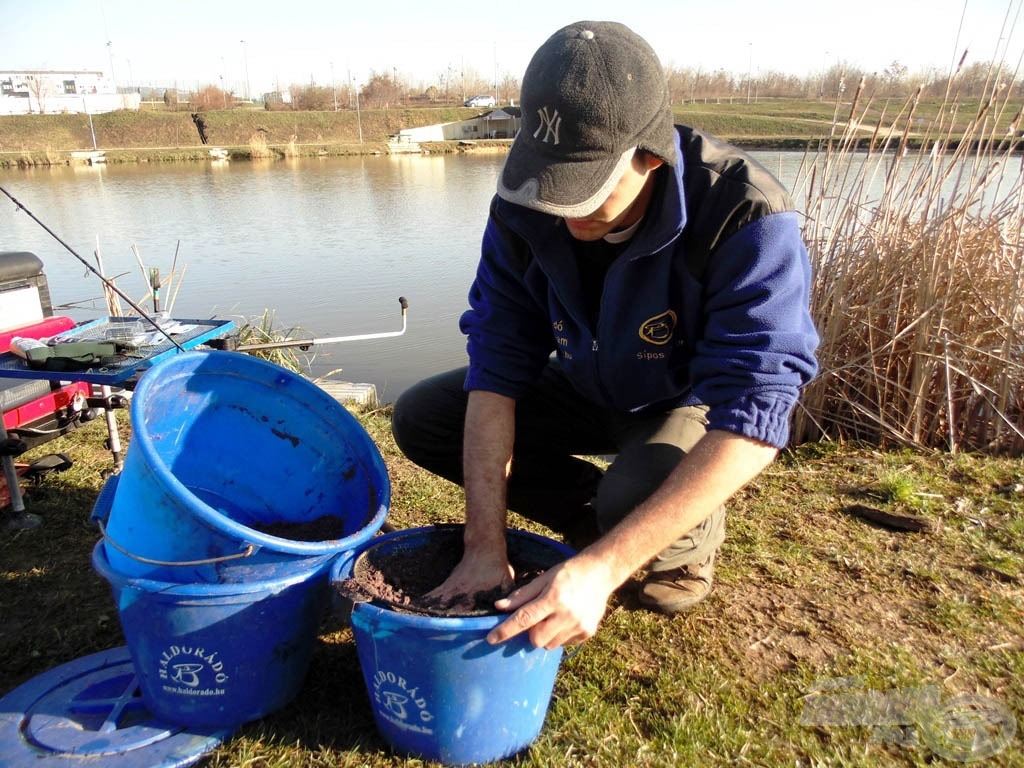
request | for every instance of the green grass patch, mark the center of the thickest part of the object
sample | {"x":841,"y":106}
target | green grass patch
{"x":806,"y":597}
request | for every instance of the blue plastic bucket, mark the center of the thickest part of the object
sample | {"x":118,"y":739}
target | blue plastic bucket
{"x":231,"y":456}
{"x":437,"y":688}
{"x":212,"y":655}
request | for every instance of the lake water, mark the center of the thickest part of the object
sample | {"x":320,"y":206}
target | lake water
{"x":328,"y":245}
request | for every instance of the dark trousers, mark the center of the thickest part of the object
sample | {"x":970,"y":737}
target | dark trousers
{"x":554,"y":426}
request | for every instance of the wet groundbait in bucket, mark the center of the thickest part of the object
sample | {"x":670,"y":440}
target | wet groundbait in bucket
{"x":401,"y":575}
{"x":437,"y":688}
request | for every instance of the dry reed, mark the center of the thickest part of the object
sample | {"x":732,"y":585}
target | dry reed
{"x":258,"y":147}
{"x":918,"y":257}
{"x":291,"y":149}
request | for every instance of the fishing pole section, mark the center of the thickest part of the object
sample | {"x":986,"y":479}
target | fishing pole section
{"x":231,"y":342}
{"x":109,"y":284}
{"x":42,"y":358}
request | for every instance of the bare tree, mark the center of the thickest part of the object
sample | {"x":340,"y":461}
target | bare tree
{"x":211,"y":97}
{"x":381,"y":91}
{"x":39,"y":87}
{"x":508,"y":90}
{"x":313,"y":98}
{"x":895,"y":76}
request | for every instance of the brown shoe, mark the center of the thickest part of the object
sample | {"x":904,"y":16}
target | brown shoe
{"x":678,"y":589}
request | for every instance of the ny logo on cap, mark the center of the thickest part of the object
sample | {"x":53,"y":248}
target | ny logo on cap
{"x":549,"y":124}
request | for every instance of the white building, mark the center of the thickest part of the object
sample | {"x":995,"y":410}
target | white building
{"x":54,"y":92}
{"x":501,"y":123}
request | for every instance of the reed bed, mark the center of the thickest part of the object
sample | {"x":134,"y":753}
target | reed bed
{"x":918,"y":259}
{"x":264,"y":330}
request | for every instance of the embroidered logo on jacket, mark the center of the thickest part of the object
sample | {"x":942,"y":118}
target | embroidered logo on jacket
{"x":549,"y":124}
{"x":659,"y":329}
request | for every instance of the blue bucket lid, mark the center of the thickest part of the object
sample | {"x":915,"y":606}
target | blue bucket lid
{"x":90,"y":708}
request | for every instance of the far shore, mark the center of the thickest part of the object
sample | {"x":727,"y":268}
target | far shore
{"x":202,"y":153}
{"x":154,"y":136}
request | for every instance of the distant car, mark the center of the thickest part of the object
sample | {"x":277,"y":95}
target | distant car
{"x":480,"y":101}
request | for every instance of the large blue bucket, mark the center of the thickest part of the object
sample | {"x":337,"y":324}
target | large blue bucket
{"x":221,"y":654}
{"x":437,"y":688}
{"x":232,"y":457}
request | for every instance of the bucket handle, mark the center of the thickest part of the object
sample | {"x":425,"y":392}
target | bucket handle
{"x":101,"y":512}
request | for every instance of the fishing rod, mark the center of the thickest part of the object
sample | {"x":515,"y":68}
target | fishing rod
{"x":305,"y":344}
{"x":109,"y":283}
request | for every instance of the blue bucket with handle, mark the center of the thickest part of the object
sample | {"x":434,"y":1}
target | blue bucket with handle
{"x":233,"y":457}
{"x":437,"y":688}
{"x":221,"y":654}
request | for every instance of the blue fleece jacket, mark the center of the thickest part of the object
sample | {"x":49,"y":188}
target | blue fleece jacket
{"x":707,"y":304}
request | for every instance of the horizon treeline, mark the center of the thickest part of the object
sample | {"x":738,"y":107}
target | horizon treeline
{"x":387,"y":89}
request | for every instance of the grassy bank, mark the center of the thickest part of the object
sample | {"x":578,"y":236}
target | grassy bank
{"x":172,"y":136}
{"x":809,"y":594}
{"x":849,"y":569}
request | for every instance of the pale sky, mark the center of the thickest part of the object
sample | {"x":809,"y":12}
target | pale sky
{"x":197,"y":42}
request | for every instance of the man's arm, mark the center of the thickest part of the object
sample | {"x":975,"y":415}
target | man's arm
{"x":487,"y":456}
{"x":565,"y":604}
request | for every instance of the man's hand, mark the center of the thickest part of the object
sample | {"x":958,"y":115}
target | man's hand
{"x":476,"y":572}
{"x":565,"y":604}
{"x":562,"y":606}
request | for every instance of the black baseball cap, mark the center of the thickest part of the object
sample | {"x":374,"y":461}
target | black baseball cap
{"x":592,"y":95}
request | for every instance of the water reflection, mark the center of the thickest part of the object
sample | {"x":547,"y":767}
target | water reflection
{"x":327,"y":244}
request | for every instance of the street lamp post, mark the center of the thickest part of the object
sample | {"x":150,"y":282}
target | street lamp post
{"x":821,"y":85}
{"x":750,"y":61}
{"x":359,"y":119}
{"x":110,"y":54}
{"x":245,"y":64}
{"x":223,"y":93}
{"x":334,"y":87}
